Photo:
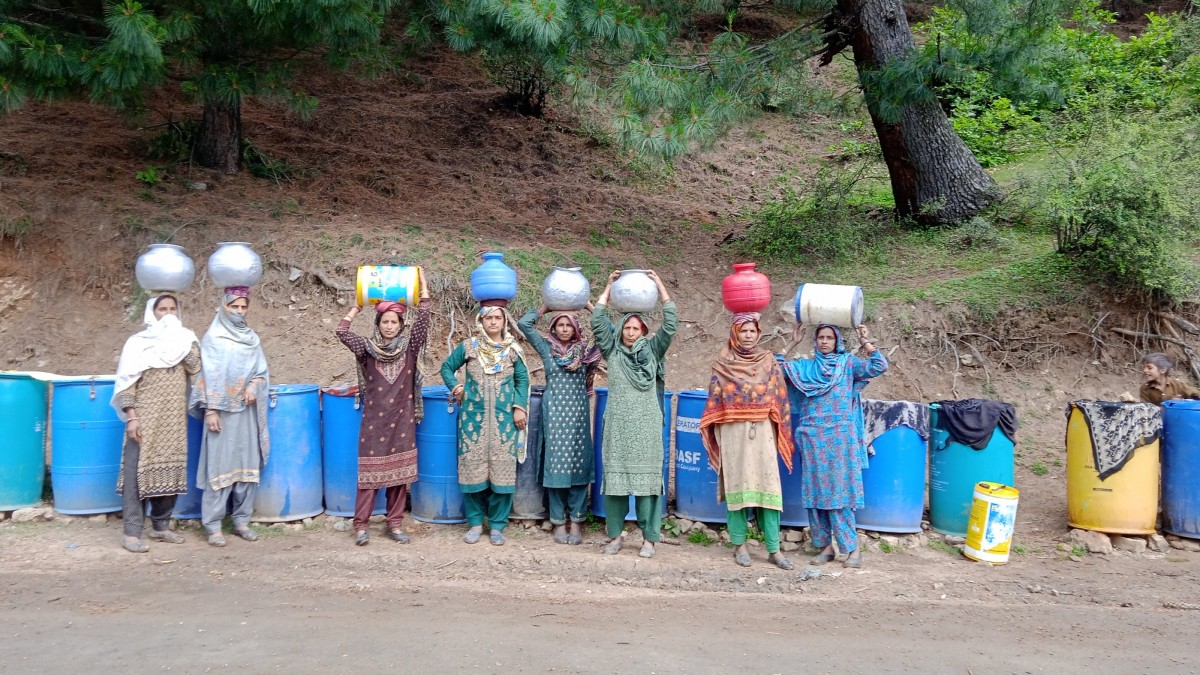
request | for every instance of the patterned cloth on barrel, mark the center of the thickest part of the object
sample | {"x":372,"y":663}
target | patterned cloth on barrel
{"x":880,"y":417}
{"x":1117,"y":429}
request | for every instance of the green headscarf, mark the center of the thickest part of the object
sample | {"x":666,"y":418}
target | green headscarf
{"x":637,"y":363}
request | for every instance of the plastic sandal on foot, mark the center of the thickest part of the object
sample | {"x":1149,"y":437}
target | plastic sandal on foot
{"x":247,"y":534}
{"x":497,"y":538}
{"x":822,"y":557}
{"x":647,"y":550}
{"x":574,"y":539}
{"x":138,"y":546}
{"x":398,"y":536}
{"x":742,"y":558}
{"x":362,"y":539}
{"x":166,"y":536}
{"x":560,"y":535}
{"x":216,"y":539}
{"x":854,"y":560}
{"x":472,"y":536}
{"x":781,"y":562}
{"x":613,"y":546}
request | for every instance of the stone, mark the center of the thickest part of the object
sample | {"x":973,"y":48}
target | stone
{"x":724,"y":536}
{"x":1177,"y":543}
{"x":921,"y":540}
{"x":1094,"y":542}
{"x":295,"y":527}
{"x":754,"y":543}
{"x":195,"y":186}
{"x":700,"y":527}
{"x":872,"y":534}
{"x":954,"y":540}
{"x":1134,"y":545}
{"x":789,"y":546}
{"x":891,"y":540}
{"x":1158,"y":543}
{"x":1064,"y":547}
{"x":547,"y":525}
{"x":684,"y":524}
{"x":378,"y":518}
{"x":99,"y":519}
{"x":794,"y":536}
{"x":27,"y":515}
{"x":342,"y":525}
{"x":308,"y":521}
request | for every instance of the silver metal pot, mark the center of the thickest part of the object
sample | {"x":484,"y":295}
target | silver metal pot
{"x":566,"y":289}
{"x":234,"y":263}
{"x":165,"y":267}
{"x":633,"y":291}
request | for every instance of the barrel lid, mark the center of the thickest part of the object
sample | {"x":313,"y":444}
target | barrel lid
{"x":288,"y":389}
{"x":693,"y":393}
{"x":436,"y":391}
{"x":1182,"y":404}
{"x":997,"y":490}
{"x":36,"y":375}
{"x":63,"y":381}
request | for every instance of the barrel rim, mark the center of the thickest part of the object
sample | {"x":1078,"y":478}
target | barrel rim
{"x":692,"y":393}
{"x":291,"y":389}
{"x":96,"y":379}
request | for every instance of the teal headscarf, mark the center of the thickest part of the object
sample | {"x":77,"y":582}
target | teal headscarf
{"x":818,"y":375}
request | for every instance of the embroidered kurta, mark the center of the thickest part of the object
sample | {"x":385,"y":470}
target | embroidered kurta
{"x":160,"y":397}
{"x":633,"y":420}
{"x":488,"y":438}
{"x":749,"y":475}
{"x":829,"y":435}
{"x":387,"y":439}
{"x":566,"y":434}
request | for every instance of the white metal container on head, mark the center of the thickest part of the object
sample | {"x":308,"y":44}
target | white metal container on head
{"x":165,"y":267}
{"x":633,"y":291}
{"x":829,"y":304}
{"x":234,"y":263}
{"x":566,"y":289}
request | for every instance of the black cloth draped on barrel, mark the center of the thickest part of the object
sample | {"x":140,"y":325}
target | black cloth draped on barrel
{"x":880,"y":417}
{"x":972,"y":421}
{"x":1117,"y":429}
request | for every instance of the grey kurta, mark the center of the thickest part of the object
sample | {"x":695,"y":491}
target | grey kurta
{"x":633,"y":420}
{"x":231,"y":455}
{"x":566,"y":433}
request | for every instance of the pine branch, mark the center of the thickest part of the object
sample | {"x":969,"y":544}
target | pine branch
{"x":62,"y":12}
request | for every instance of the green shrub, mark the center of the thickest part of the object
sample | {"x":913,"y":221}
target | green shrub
{"x":829,"y":224}
{"x":978,"y":234}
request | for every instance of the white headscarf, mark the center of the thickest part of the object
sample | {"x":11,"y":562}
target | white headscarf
{"x":162,"y":344}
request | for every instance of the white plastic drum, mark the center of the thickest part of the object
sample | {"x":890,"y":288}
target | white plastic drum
{"x":829,"y":304}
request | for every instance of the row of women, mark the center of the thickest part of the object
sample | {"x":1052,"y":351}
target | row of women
{"x":746,"y":425}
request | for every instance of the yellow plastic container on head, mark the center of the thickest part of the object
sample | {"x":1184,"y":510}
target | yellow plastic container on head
{"x":993,"y":519}
{"x":1124,"y":503}
{"x":394,"y":283}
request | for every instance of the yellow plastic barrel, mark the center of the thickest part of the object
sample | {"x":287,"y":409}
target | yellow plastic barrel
{"x":394,"y":283}
{"x":993,"y":519}
{"x":1124,"y":503}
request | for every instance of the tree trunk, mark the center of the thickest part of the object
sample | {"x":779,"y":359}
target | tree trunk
{"x":935,"y":177}
{"x":219,"y":144}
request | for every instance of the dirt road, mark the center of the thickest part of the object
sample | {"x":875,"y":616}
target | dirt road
{"x":311,"y":602}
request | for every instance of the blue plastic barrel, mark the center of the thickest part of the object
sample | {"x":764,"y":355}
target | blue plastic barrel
{"x":1181,"y":468}
{"x":22,"y":440}
{"x":187,"y":505}
{"x":436,"y":496}
{"x":86,"y":441}
{"x":291,"y":486}
{"x":340,"y":421}
{"x":954,"y":469}
{"x":794,"y":514}
{"x":529,"y":500}
{"x":598,"y":445}
{"x":894,"y":483}
{"x":695,"y":479}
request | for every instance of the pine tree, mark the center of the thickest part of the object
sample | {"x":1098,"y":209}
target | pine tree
{"x":222,"y":51}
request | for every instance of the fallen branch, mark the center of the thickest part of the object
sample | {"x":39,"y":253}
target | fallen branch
{"x":1183,"y":324}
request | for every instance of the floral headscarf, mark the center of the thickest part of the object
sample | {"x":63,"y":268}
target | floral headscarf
{"x":494,"y":355}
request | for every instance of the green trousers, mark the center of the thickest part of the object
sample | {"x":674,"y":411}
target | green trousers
{"x":649,"y":515}
{"x":495,"y":505}
{"x":568,"y":502}
{"x":768,"y":524}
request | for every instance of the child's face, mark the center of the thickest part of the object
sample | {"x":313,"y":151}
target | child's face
{"x":1152,"y":373}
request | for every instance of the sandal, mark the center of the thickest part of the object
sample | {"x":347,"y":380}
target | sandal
{"x":362,"y":538}
{"x":574,"y":539}
{"x":742,"y":558}
{"x":398,"y":536}
{"x":854,"y":560}
{"x":823,"y":557}
{"x":472,"y":536}
{"x":647,"y":550}
{"x":166,"y":536}
{"x":780,"y":561}
{"x":138,"y":546}
{"x":497,"y":538}
{"x":216,"y":539}
{"x":613,"y":546}
{"x":560,"y":535}
{"x":247,"y":534}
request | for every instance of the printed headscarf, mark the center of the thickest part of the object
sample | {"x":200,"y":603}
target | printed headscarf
{"x":163,"y":343}
{"x":578,"y":352}
{"x":389,"y":352}
{"x":747,"y":385}
{"x":493,"y":356}
{"x":818,"y":376}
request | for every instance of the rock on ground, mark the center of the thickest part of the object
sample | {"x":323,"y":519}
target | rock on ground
{"x":1094,"y":542}
{"x":1134,"y":545}
{"x":1177,"y":543}
{"x":28,"y":515}
{"x":1158,"y":543}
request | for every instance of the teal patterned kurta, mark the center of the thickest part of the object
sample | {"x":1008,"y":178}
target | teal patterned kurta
{"x":566,"y":433}
{"x":633,"y":420}
{"x":488,"y":440}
